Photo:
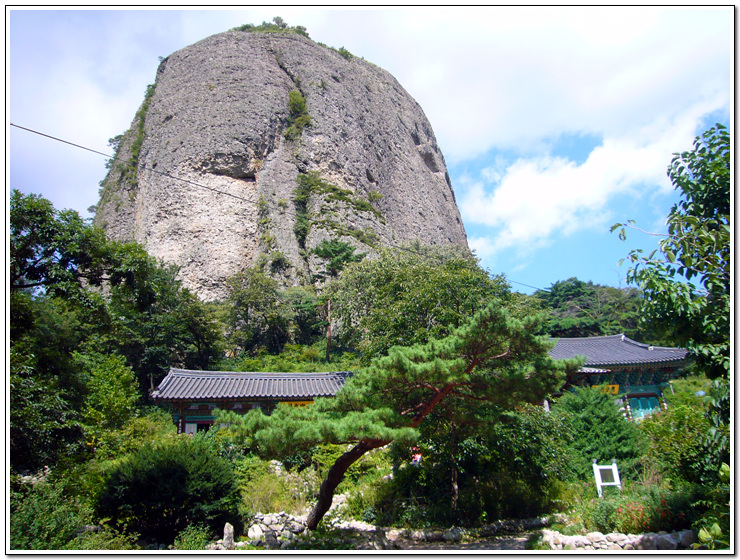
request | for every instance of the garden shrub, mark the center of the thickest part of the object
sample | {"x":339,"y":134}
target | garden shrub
{"x":43,"y":518}
{"x":639,"y":509}
{"x":164,"y":487}
{"x":265,"y":488}
{"x":599,"y":432}
{"x":103,"y":538}
{"x":194,"y":537}
{"x":510,"y":469}
{"x":675,"y":438}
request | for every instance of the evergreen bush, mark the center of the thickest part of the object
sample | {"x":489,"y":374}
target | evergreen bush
{"x":164,"y":487}
{"x":600,"y":431}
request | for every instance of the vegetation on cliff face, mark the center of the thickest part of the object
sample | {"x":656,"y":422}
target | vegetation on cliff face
{"x":298,"y":117}
{"x":311,"y":189}
{"x":125,"y":170}
{"x":278,"y":25}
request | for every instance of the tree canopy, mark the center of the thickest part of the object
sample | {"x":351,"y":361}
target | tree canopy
{"x":409,"y":295}
{"x":686,"y":282}
{"x":89,"y":317}
{"x":579,"y":308}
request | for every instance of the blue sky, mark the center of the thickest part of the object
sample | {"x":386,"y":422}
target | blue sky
{"x":555,"y":122}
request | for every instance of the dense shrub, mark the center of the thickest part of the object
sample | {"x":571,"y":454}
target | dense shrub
{"x":42,"y":518}
{"x":639,"y":509}
{"x":194,"y":537}
{"x":599,"y":432}
{"x":164,"y":487}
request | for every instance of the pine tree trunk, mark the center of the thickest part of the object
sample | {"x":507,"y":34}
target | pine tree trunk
{"x":455,"y":490}
{"x":335,"y":476}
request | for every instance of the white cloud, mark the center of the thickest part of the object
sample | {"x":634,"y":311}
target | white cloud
{"x":508,"y":77}
{"x":535,"y":200}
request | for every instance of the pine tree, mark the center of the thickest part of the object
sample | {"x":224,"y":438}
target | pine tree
{"x":492,"y":359}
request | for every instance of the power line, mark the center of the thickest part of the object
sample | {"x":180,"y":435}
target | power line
{"x":60,"y":140}
{"x":150,"y":169}
{"x":188,"y":181}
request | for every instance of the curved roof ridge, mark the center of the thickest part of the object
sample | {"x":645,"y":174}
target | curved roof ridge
{"x":182,"y":384}
{"x":206,"y":373}
{"x":601,"y":337}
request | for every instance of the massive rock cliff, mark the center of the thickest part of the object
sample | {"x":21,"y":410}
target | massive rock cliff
{"x":254,"y":147}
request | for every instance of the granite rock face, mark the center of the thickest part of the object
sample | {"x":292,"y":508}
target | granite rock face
{"x":206,"y":176}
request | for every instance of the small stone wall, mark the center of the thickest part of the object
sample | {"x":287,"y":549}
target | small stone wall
{"x":281,"y":531}
{"x":619,"y":541}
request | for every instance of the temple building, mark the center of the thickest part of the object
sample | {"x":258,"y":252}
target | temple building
{"x":191,"y":396}
{"x":637,"y":374}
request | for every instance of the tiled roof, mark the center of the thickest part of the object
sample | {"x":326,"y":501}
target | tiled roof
{"x":616,"y":350}
{"x":182,"y":384}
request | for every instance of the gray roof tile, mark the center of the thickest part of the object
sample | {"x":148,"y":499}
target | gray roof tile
{"x":182,"y":384}
{"x":616,"y":350}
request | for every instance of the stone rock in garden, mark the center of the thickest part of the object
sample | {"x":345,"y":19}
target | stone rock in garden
{"x":271,"y":541}
{"x":667,"y":541}
{"x":580,"y":541}
{"x":379,"y":540}
{"x":596,"y":537}
{"x":687,"y":538}
{"x":394,"y":534}
{"x":452,"y":535}
{"x":645,"y":542}
{"x":205,"y":176}
{"x":418,"y":535}
{"x":296,"y":527}
{"x":228,"y":540}
{"x":255,"y":532}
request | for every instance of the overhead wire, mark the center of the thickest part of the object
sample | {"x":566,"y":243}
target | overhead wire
{"x":212,"y":189}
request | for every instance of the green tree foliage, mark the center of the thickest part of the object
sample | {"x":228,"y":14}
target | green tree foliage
{"x":492,"y":358}
{"x":408,"y":296}
{"x":43,"y":518}
{"x":53,"y":250}
{"x":257,"y":318}
{"x":164,"y":487}
{"x":111,"y":392}
{"x":579,"y":309}
{"x":686,"y":282}
{"x":307,"y":323}
{"x":159,"y":325}
{"x":44,"y":424}
{"x":506,"y":466}
{"x":600,"y":431}
{"x":675,"y":442}
{"x":338,"y":255}
{"x":76,"y":293}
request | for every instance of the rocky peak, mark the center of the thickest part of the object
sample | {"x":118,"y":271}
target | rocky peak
{"x":253,"y":148}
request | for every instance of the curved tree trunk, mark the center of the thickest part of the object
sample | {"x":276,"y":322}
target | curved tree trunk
{"x":335,"y":476}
